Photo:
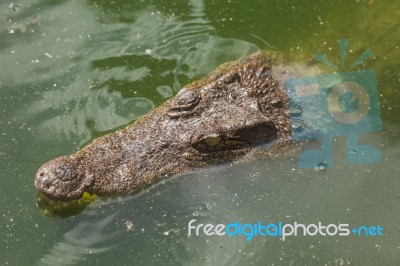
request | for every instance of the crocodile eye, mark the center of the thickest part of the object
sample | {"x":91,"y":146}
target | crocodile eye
{"x":217,"y":142}
{"x":209,"y":143}
{"x":212,"y":141}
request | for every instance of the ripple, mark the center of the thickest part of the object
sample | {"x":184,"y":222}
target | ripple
{"x":165,"y":91}
{"x":87,"y":238}
{"x":102,"y":77}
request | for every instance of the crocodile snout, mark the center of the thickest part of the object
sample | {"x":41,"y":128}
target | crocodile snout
{"x":61,"y":179}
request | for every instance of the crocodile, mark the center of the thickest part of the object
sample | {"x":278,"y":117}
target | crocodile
{"x":238,"y":112}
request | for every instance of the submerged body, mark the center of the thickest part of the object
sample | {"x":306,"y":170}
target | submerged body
{"x":239,"y":110}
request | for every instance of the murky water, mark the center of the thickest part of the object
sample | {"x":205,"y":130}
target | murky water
{"x":71,"y":71}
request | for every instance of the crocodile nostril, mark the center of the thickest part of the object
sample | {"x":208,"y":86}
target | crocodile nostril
{"x":45,"y":181}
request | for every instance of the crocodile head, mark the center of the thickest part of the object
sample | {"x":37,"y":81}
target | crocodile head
{"x":238,"y":111}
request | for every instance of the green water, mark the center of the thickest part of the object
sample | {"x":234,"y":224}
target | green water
{"x":71,"y":71}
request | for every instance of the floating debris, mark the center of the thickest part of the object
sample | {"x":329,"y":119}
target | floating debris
{"x":15,"y":7}
{"x":129,"y":225}
{"x":321,"y":167}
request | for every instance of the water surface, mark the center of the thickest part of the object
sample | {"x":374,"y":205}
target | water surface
{"x":71,"y":71}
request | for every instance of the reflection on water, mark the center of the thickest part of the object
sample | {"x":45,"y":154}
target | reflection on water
{"x":267,"y":191}
{"x":105,"y":75}
{"x":73,"y":70}
{"x":89,"y":237}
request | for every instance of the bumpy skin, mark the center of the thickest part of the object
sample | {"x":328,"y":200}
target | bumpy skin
{"x":239,"y":110}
